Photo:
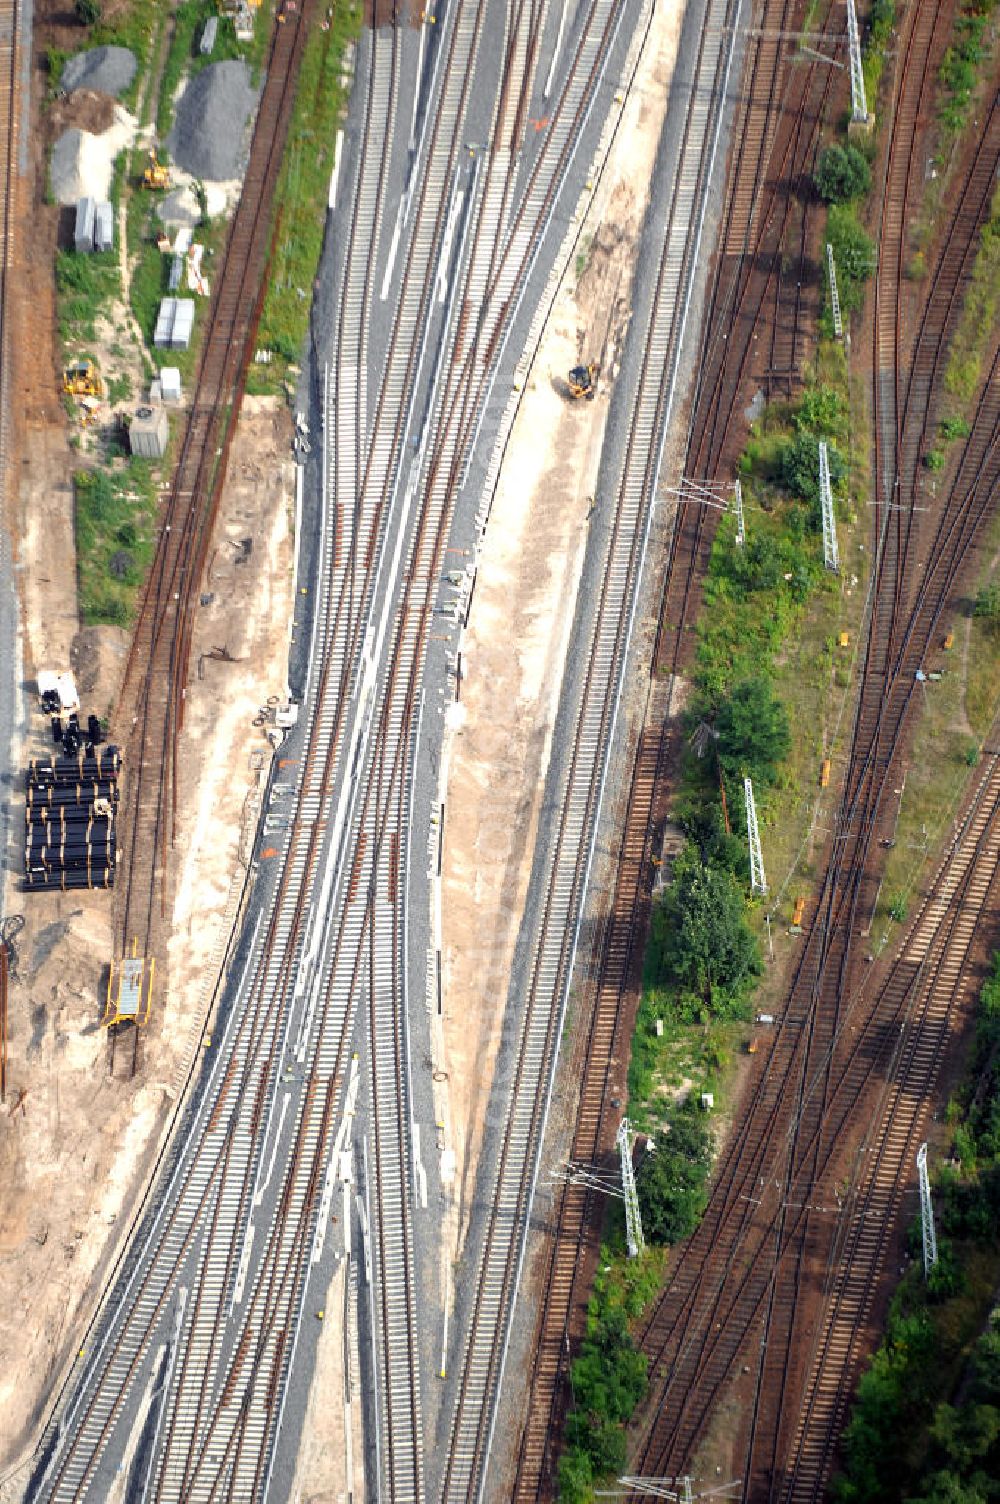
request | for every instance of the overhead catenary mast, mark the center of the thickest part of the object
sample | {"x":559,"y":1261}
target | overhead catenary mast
{"x":859,"y":104}
{"x":633,"y":1220}
{"x":831,"y":554}
{"x":831,"y":267}
{"x":926,"y":1212}
{"x":758,"y":882}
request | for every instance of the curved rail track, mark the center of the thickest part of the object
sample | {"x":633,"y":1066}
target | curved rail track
{"x":150,"y":714}
{"x":771,"y":151}
{"x":630,"y":498}
{"x":726,"y":1284}
{"x":219,"y":1267}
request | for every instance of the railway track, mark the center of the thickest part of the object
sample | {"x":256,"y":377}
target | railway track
{"x":220,"y":1265}
{"x":754,"y":225}
{"x":150,"y":713}
{"x":498,"y":1265}
{"x":777,"y":1144}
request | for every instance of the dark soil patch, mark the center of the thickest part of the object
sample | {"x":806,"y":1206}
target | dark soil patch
{"x":84,"y":109}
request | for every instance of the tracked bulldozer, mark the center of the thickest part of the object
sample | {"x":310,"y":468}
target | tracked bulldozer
{"x":80,"y":379}
{"x":156,"y":175}
{"x":583,"y":381}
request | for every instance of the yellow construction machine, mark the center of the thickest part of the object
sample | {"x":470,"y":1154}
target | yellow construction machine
{"x":156,"y":174}
{"x":81,"y":380}
{"x":583,"y":380}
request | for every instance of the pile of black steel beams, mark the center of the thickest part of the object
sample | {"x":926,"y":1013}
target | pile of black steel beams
{"x":70,"y":810}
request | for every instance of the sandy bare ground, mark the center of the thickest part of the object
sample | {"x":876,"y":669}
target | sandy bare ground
{"x":74,"y":1156}
{"x":515,"y":648}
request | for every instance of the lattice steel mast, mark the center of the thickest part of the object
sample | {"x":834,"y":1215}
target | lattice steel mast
{"x":633,"y":1220}
{"x":831,"y":555}
{"x":831,"y":266}
{"x":859,"y":104}
{"x":926,"y":1212}
{"x":758,"y":882}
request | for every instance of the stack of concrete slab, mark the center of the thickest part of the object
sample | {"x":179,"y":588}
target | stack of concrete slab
{"x":104,"y":227}
{"x":170,"y":384}
{"x":174,"y":324}
{"x":83,"y":230}
{"x":94,"y":229}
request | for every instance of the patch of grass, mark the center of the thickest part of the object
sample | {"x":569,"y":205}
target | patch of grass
{"x":300,"y":205}
{"x":86,"y":286}
{"x":974,"y":335}
{"x":926,"y":1420}
{"x":933,"y":787}
{"x":959,"y":74}
{"x":136,"y":26}
{"x":149,"y":281}
{"x":771,"y":609}
{"x":115,"y":537}
{"x":119,"y":388}
{"x":184,"y":56}
{"x":881,"y":20}
{"x":982,"y":689}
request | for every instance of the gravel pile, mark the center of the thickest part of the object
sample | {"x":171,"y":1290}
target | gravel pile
{"x":109,"y":70}
{"x":210,"y":121}
{"x":180,"y":207}
{"x":82,"y":163}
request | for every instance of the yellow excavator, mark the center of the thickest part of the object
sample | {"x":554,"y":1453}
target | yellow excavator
{"x":156,"y":174}
{"x":583,"y":381}
{"x":80,"y":379}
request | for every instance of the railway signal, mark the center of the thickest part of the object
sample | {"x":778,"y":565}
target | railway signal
{"x":758,"y":882}
{"x":926,"y":1212}
{"x":831,"y":554}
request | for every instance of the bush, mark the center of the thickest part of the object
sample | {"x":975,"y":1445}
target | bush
{"x":853,"y":252}
{"x":800,"y":470}
{"x":87,"y":11}
{"x":954,"y":428}
{"x":671,"y":1182}
{"x":700,"y":941}
{"x":987,"y":603}
{"x":842,"y":174}
{"x":752,"y":733}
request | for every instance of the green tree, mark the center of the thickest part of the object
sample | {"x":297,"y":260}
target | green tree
{"x":576,"y":1476}
{"x":800,"y":469}
{"x":842,"y":174}
{"x":752,"y":733}
{"x":945,"y":1488}
{"x":853,"y":252}
{"x":700,"y":939}
{"x":671,"y":1182}
{"x":987,"y":604}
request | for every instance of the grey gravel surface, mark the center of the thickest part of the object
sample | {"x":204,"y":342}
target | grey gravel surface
{"x":108,"y":69}
{"x":68,"y":168}
{"x":211,"y":120}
